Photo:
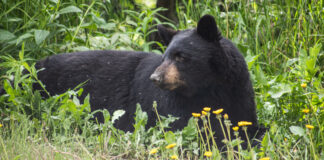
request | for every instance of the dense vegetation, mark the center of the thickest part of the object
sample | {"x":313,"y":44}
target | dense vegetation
{"x":281,"y":41}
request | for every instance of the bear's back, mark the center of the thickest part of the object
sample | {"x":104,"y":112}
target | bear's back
{"x":106,"y":75}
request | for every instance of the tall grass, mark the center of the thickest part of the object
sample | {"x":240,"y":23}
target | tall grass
{"x":281,"y":41}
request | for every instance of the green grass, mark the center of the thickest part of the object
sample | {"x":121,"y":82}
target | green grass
{"x":282,"y":42}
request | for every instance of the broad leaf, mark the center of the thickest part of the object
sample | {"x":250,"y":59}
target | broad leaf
{"x":170,"y":137}
{"x":70,"y":9}
{"x":116,"y":115}
{"x":54,"y":1}
{"x":296,"y":130}
{"x":40,"y":36}
{"x":23,"y":37}
{"x":6,"y":35}
{"x":278,"y":90}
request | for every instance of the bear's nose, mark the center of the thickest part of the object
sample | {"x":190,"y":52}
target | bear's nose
{"x":156,"y":78}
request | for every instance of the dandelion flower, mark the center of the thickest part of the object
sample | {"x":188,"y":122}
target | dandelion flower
{"x":236,"y":128}
{"x":305,"y":111}
{"x":244,"y":123}
{"x":309,"y":126}
{"x":218,"y":111}
{"x":207,"y":109}
{"x":203,"y":113}
{"x":170,"y":146}
{"x":153,"y":151}
{"x":1,"y":125}
{"x":174,"y":157}
{"x":265,"y":158}
{"x":225,"y":116}
{"x":196,"y":114}
{"x":303,"y":85}
{"x":208,"y":153}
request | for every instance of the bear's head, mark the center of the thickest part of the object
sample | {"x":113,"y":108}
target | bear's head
{"x":192,"y":59}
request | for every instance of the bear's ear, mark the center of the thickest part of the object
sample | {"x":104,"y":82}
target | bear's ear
{"x":166,"y":33}
{"x":207,"y":29}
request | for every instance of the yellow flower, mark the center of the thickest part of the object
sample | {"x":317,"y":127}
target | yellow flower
{"x":203,"y":112}
{"x":208,"y":153}
{"x":207,"y":109}
{"x":196,"y":114}
{"x":153,"y":151}
{"x":244,"y":123}
{"x":236,"y":128}
{"x":218,"y":111}
{"x":1,"y":125}
{"x":305,"y":110}
{"x":225,"y":116}
{"x":309,"y":126}
{"x":174,"y":157}
{"x":265,"y":158}
{"x":303,"y":85}
{"x":170,"y":146}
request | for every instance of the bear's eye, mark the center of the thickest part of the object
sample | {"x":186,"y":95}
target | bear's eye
{"x":178,"y":57}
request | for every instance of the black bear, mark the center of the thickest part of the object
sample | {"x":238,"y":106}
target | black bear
{"x":199,"y":68}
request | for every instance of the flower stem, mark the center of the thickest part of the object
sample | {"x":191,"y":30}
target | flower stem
{"x":247,"y":137}
{"x":211,"y":133}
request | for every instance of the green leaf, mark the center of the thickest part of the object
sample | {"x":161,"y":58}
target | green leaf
{"x":314,"y":51}
{"x":86,"y":104}
{"x":76,"y":101}
{"x":170,"y":137}
{"x":125,"y":38}
{"x":9,"y":90}
{"x":25,"y":64}
{"x":54,"y":1}
{"x":23,"y":37}
{"x":21,"y":52}
{"x":67,"y":123}
{"x":81,"y":48}
{"x":250,"y":60}
{"x":108,"y":26}
{"x":129,"y":21}
{"x":166,"y":121}
{"x":190,"y":131}
{"x":116,"y":115}
{"x":114,"y":38}
{"x":320,"y":93}
{"x":14,"y":19}
{"x":6,"y":35}
{"x":69,"y":9}
{"x":80,"y":91}
{"x":40,"y":36}
{"x":265,"y":140}
{"x":18,"y":157}
{"x":106,"y":115}
{"x":291,"y":61}
{"x":260,"y":75}
{"x":296,"y":130}
{"x":139,"y":126}
{"x":98,"y":20}
{"x":278,"y":90}
{"x":140,"y":117}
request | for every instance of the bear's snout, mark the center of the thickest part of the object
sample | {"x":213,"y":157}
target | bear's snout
{"x":167,"y":76}
{"x":156,"y":78}
{"x":158,"y":75}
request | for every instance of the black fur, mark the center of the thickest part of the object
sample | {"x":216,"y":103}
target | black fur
{"x":166,"y":34}
{"x":214,"y":72}
{"x":207,"y":28}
